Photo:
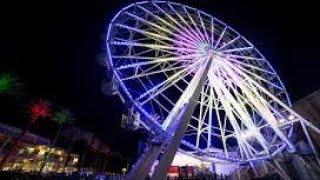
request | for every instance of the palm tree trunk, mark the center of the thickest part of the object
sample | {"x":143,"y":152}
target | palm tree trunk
{"x":48,"y":153}
{"x":81,"y":160}
{"x":5,"y":143}
{"x":70,"y":148}
{"x":84,"y":154}
{"x":15,"y":145}
{"x":105,"y":164}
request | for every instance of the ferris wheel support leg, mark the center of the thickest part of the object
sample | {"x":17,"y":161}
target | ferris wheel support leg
{"x":177,"y":124}
{"x":254,"y":170}
{"x":303,"y":168}
{"x":142,"y":166}
{"x":279,"y":170}
{"x":180,"y":120}
{"x":310,"y":142}
{"x":172,"y":145}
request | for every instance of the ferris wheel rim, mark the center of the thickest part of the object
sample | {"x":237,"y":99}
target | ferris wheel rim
{"x":153,"y":125}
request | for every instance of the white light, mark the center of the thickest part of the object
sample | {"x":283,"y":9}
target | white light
{"x":291,"y":117}
{"x":282,"y":120}
{"x":248,"y":134}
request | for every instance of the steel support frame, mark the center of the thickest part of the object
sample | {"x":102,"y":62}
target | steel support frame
{"x":164,"y":147}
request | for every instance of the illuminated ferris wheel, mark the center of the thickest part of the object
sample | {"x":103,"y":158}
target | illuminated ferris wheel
{"x":168,"y":57}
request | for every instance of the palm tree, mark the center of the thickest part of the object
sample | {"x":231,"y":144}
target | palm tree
{"x":38,"y":109}
{"x":62,"y":117}
{"x":8,"y":83}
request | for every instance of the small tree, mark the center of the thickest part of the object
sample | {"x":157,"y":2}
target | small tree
{"x":9,"y":84}
{"x":62,"y":117}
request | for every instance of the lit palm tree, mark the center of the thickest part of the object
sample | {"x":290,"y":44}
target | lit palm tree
{"x":62,"y":117}
{"x":38,"y":109}
{"x":9,"y":84}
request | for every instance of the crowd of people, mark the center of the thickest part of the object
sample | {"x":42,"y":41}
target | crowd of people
{"x":58,"y":176}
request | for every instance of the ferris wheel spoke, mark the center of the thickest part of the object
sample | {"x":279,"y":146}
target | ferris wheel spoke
{"x":238,"y":49}
{"x":242,"y":98}
{"x":235,"y":56}
{"x":193,"y":128}
{"x":186,"y":44}
{"x":243,"y":64}
{"x":229,"y":43}
{"x":267,"y":104}
{"x":184,"y":37}
{"x":175,"y":85}
{"x":143,"y":32}
{"x":160,"y":19}
{"x":184,"y":58}
{"x":213,"y":127}
{"x":157,"y":36}
{"x":199,"y":34}
{"x":163,"y":107}
{"x":152,"y":46}
{"x":255,"y":76}
{"x":232,"y":109}
{"x":163,"y":66}
{"x":145,"y":88}
{"x":217,"y":43}
{"x":165,"y":87}
{"x":189,"y":36}
{"x":150,"y":73}
{"x":138,"y":54}
{"x":201,"y":119}
{"x":267,"y":115}
{"x":125,"y":40}
{"x":203,"y":27}
{"x":170,"y":52}
{"x":252,"y":148}
{"x":155,"y":99}
{"x":168,"y":16}
{"x":161,"y":84}
{"x":204,"y":116}
{"x":149,"y":22}
{"x":222,"y":129}
{"x":138,"y":57}
{"x":187,"y":28}
{"x":241,"y":112}
{"x":212,"y":31}
{"x":205,"y":102}
{"x":167,"y":83}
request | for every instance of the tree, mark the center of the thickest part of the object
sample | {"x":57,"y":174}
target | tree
{"x":61,"y":117}
{"x":8,"y":83}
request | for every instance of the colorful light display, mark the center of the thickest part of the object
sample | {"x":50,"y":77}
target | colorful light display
{"x":63,"y":116}
{"x":40,"y":109}
{"x":8,"y":83}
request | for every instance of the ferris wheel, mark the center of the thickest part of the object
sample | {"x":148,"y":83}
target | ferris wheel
{"x":166,"y":55}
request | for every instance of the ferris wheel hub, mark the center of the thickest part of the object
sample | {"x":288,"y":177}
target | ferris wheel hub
{"x":204,"y":48}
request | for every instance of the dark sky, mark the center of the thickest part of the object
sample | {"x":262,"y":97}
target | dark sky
{"x":51,"y":45}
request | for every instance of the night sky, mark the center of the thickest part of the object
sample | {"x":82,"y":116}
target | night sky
{"x":52,"y":46}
